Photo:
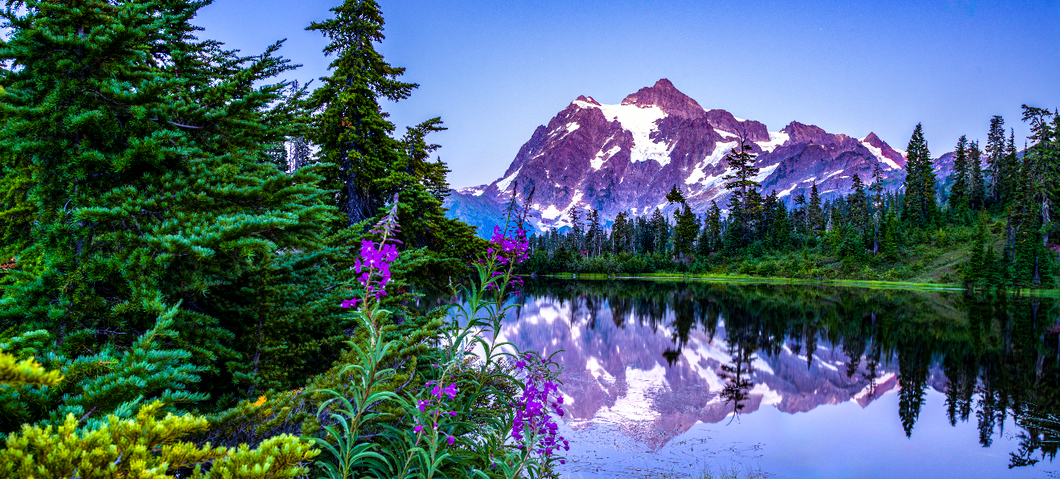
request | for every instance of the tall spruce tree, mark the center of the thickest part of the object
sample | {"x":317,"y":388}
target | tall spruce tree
{"x":997,"y":170}
{"x":858,"y":205}
{"x":814,"y":213}
{"x":877,"y":205}
{"x":744,"y":202}
{"x":351,"y":129}
{"x":711,"y":235}
{"x":920,"y":207}
{"x":1044,"y":155}
{"x":959,"y":191}
{"x":977,"y":189}
{"x":621,"y":233}
{"x":155,"y":197}
{"x":686,"y":226}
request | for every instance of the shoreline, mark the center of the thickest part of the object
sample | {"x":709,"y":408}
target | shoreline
{"x":872,"y":284}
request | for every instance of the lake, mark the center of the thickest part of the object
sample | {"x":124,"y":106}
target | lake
{"x":674,"y":378}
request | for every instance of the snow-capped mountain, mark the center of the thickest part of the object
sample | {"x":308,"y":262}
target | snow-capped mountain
{"x":626,"y":157}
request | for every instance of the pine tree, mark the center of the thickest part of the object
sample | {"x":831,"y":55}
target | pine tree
{"x":576,"y":235}
{"x":685,"y":231}
{"x":876,"y":189}
{"x":814,"y":213}
{"x":920,"y":206}
{"x":594,"y":236}
{"x":744,"y":202}
{"x":995,"y":160}
{"x":858,"y":205}
{"x":1013,"y":174}
{"x":977,"y":190}
{"x":710,"y":238}
{"x":621,"y":233}
{"x":877,"y":206}
{"x":659,"y":231}
{"x":152,"y":159}
{"x":959,"y":192}
{"x":351,"y":128}
{"x":686,"y":223}
{"x":798,"y":214}
{"x":778,"y":226}
{"x":1044,"y":155}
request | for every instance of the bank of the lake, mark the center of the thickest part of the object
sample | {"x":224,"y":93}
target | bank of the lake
{"x":746,"y":279}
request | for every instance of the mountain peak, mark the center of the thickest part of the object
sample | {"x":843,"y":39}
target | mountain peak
{"x":668,"y":98}
{"x":587,"y":99}
{"x":801,"y":132}
{"x":873,"y":140}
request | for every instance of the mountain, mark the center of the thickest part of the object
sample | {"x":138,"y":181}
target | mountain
{"x":626,"y":157}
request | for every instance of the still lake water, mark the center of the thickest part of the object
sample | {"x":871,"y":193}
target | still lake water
{"x":668,"y":379}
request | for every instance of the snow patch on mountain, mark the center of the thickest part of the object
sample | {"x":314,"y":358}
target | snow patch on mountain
{"x":602,"y":156}
{"x":641,"y":123}
{"x":551,"y":212}
{"x":504,"y":183}
{"x":576,"y":199}
{"x":776,"y":138}
{"x":764,"y":173}
{"x":699,"y":173}
{"x":878,"y":153}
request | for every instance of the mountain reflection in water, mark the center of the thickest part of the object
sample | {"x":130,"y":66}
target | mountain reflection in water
{"x":652,"y":359}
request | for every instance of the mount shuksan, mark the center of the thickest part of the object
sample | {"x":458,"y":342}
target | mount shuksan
{"x":626,"y":157}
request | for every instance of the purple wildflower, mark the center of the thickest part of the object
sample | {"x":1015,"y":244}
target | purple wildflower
{"x":532,"y":410}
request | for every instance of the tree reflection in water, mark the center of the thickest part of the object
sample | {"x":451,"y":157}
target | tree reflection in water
{"x":995,"y":356}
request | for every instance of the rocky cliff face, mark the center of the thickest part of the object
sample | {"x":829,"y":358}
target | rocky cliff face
{"x":626,"y":157}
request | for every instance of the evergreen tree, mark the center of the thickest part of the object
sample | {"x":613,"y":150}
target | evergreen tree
{"x":814,"y":213}
{"x":920,"y":206}
{"x":152,"y":159}
{"x":1044,"y":155}
{"x":995,"y":160}
{"x":1013,"y":170}
{"x":798,"y":214}
{"x":778,"y":227}
{"x":367,"y":165}
{"x":351,"y":129}
{"x":685,"y":231}
{"x":877,"y":206}
{"x":576,"y":235}
{"x":659,"y":230}
{"x":594,"y":236}
{"x":977,"y":190}
{"x":744,"y":202}
{"x":858,"y":205}
{"x":710,"y":238}
{"x":621,"y":233}
{"x":686,"y":226}
{"x":959,"y":192}
{"x":876,"y":189}
{"x":1026,"y":249}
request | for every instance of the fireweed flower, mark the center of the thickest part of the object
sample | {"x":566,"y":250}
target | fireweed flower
{"x":533,"y":425}
{"x":373,"y":265}
{"x":434,"y":411}
{"x":505,"y":252}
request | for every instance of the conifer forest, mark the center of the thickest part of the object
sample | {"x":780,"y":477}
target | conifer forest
{"x":207,"y":271}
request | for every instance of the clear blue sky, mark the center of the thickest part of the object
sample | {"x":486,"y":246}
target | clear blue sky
{"x":494,"y":70}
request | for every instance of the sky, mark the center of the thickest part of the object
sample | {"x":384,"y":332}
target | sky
{"x":495,"y":70}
